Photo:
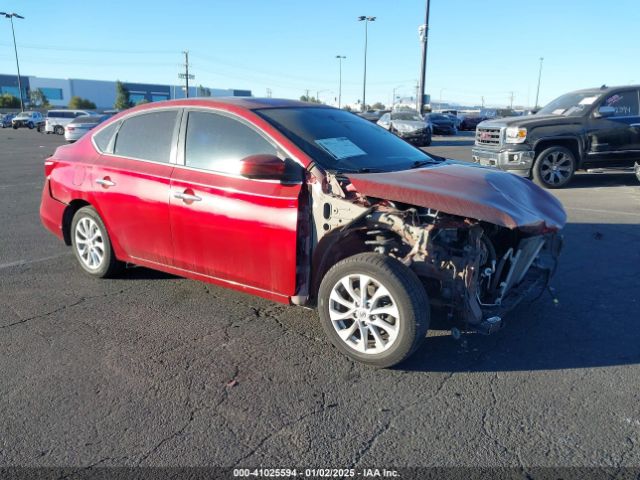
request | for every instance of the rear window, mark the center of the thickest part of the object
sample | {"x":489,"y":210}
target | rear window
{"x":87,"y":119}
{"x":54,"y":114}
{"x":147,"y":136}
{"x":104,"y":136}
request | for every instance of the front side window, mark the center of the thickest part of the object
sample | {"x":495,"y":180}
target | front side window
{"x":218,"y":143}
{"x":625,"y":103}
{"x":342,"y":141}
{"x":147,"y":136}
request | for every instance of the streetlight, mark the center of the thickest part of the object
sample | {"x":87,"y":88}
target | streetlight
{"x":366,"y":21}
{"x":423,"y":32}
{"x":441,"y":90}
{"x":393,"y":95}
{"x":539,"y":76}
{"x":10,"y":17}
{"x":340,"y":58}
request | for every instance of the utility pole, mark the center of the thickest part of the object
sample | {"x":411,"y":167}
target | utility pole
{"x":269,"y":93}
{"x":15,"y":48}
{"x":511,"y":100}
{"x":366,"y":21}
{"x":539,"y":76}
{"x":340,"y":58}
{"x":482,"y":99}
{"x":307,"y":95}
{"x":424,"y":36}
{"x":186,"y":72}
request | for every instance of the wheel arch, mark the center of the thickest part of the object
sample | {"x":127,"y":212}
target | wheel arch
{"x":571,"y":143}
{"x":67,"y":218}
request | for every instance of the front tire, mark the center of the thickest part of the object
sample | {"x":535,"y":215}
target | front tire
{"x":91,"y":244}
{"x":373,"y":309}
{"x":30,"y":125}
{"x":554,"y":167}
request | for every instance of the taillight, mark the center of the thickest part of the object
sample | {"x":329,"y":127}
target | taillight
{"x":70,"y":129}
{"x":49,"y":165}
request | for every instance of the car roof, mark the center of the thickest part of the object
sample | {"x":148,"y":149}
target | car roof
{"x":606,"y":89}
{"x":249,"y":103}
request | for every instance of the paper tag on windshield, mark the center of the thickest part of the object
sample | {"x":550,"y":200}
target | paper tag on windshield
{"x":588,"y":100}
{"x":340,"y":147}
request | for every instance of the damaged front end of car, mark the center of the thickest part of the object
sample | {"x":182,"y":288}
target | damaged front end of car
{"x":474,"y":267}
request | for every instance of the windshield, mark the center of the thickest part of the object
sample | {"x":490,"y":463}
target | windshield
{"x":436,"y":116}
{"x":571,"y":104}
{"x":23,"y":115}
{"x":406,"y":116}
{"x":341,"y":141}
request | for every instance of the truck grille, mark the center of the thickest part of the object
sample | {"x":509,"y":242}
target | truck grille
{"x":487,"y":136}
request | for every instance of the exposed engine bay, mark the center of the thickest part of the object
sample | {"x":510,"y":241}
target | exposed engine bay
{"x":474,"y":269}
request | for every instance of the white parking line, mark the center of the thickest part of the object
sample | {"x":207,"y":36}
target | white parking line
{"x":19,"y":263}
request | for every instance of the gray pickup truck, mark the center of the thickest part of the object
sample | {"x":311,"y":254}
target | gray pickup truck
{"x":592,"y":128}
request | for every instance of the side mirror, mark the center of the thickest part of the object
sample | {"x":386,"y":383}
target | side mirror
{"x":604,"y":112}
{"x":270,"y":167}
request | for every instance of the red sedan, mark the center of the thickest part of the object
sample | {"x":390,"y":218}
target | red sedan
{"x":309,"y":205}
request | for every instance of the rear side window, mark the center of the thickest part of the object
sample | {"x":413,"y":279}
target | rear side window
{"x":147,"y":136}
{"x":104,"y":136}
{"x":55,"y":114}
{"x":217,"y":142}
{"x":625,"y":103}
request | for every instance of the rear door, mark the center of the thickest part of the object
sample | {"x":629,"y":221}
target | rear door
{"x":225,"y":226}
{"x":131,"y":186}
{"x":615,"y":140}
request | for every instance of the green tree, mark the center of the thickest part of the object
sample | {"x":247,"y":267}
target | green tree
{"x":203,"y":91}
{"x":9,"y":101}
{"x":122,"y":97}
{"x":38,"y":99}
{"x":77,"y":103}
{"x":305,"y":98}
{"x":378,"y":106}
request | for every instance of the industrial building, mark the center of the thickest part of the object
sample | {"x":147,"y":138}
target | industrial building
{"x":59,"y":91}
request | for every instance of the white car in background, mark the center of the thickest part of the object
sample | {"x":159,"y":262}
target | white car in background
{"x":77,"y":127}
{"x":58,"y":119}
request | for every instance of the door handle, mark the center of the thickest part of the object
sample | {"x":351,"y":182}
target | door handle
{"x":106,"y":182}
{"x":187,"y":197}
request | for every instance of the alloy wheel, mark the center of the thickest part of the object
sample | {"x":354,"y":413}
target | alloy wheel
{"x":556,"y":168}
{"x":364,"y":314}
{"x":89,"y":242}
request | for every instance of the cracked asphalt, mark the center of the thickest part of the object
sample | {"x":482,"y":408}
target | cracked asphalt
{"x":154,"y":370}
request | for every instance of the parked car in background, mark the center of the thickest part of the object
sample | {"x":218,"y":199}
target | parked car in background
{"x":490,"y":113}
{"x":372,"y":115}
{"x":470,"y":122}
{"x":29,"y":120}
{"x":592,"y":128}
{"x":77,"y":127}
{"x":278,"y":198}
{"x":5,"y":119}
{"x":408,"y":125}
{"x":58,"y":119}
{"x":636,"y":169}
{"x":442,"y":124}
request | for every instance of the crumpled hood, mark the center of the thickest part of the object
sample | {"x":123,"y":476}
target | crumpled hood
{"x":468,"y":191}
{"x":409,"y":125}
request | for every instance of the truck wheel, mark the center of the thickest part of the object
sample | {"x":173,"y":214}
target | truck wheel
{"x":91,"y":244}
{"x":373,"y":309}
{"x":554,"y":167}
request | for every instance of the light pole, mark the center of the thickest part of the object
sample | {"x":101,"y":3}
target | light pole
{"x":393,"y":95}
{"x":424,"y":35}
{"x":539,"y":76}
{"x":366,"y":21}
{"x":441,"y":90}
{"x":10,"y":17}
{"x":340,"y":58}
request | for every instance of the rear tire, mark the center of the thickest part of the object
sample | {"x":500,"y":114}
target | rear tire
{"x":554,"y":167}
{"x":384,"y":326}
{"x":58,"y":130}
{"x":91,"y":244}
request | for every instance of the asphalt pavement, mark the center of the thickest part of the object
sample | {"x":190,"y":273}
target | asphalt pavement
{"x":154,"y":370}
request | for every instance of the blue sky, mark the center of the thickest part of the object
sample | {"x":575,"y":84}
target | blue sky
{"x":476,"y":48}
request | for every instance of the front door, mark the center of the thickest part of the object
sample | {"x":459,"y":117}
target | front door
{"x":226,"y":227}
{"x":131,"y":186}
{"x":615,"y":140}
